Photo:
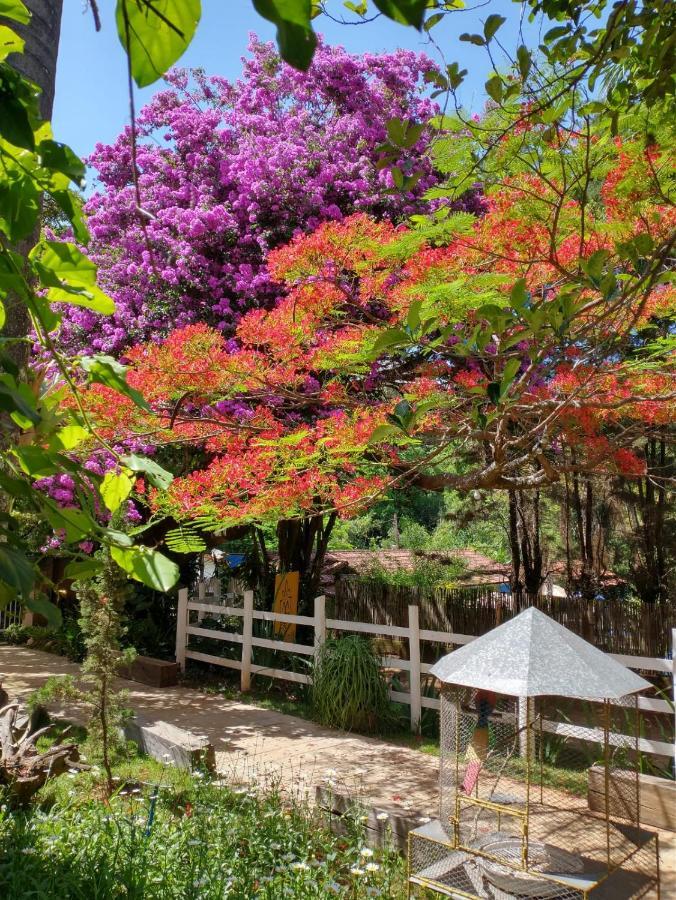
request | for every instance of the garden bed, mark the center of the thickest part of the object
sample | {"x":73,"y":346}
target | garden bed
{"x":168,"y":834}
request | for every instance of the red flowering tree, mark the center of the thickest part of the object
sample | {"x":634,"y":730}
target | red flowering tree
{"x":389,"y":360}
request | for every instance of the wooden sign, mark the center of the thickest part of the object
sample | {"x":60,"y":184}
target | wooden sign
{"x":286,"y":601}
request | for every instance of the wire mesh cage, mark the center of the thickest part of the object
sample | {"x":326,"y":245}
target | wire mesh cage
{"x":514,"y":818}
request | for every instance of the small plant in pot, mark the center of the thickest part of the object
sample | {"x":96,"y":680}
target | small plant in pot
{"x":349,"y":690}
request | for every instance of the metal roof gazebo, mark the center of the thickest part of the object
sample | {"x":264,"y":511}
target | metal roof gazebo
{"x":508,"y":827}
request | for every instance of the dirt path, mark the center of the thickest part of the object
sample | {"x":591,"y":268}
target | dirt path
{"x":254,"y":743}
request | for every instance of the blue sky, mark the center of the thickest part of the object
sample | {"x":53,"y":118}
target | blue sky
{"x":91,"y":102}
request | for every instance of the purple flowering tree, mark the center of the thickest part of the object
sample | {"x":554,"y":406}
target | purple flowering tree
{"x":228,"y":171}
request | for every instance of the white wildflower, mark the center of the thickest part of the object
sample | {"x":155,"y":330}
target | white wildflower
{"x":383,"y":817}
{"x":366,"y":852}
{"x":355,"y":870}
{"x":372,"y":867}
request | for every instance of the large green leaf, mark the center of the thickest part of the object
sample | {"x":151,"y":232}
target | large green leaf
{"x":107,"y":370}
{"x":16,"y":572}
{"x":81,"y":569}
{"x":10,"y":42}
{"x":156,"y":475}
{"x":19,"y":205}
{"x":155,"y":33}
{"x":15,"y":124}
{"x":90,"y":297}
{"x":65,"y":261}
{"x":148,"y":566}
{"x":39,"y":604}
{"x":16,"y":10}
{"x":295,"y":38}
{"x":76,"y":524}
{"x":115,"y":488}
{"x":69,"y":276}
{"x":57,"y":156}
{"x":15,"y":400}
{"x":408,"y":12}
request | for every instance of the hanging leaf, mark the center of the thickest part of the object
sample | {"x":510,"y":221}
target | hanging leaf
{"x":69,"y":437}
{"x":114,"y":490}
{"x":491,"y":26}
{"x":295,"y":38}
{"x":148,"y":566}
{"x":16,"y":572}
{"x":15,"y":10}
{"x":15,"y":126}
{"x":39,"y":604}
{"x":83,"y":569}
{"x":155,"y":34}
{"x":494,"y":88}
{"x":61,"y":158}
{"x":106,"y":370}
{"x":408,"y":12}
{"x":156,"y":475}
{"x":10,"y":42}
{"x":524,"y":61}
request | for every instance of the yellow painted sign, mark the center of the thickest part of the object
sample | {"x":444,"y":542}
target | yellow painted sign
{"x":286,"y":601}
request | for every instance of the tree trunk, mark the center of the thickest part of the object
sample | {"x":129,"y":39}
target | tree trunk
{"x":38,"y":63}
{"x":524,"y":541}
{"x":515,"y":580}
{"x":302,"y":545}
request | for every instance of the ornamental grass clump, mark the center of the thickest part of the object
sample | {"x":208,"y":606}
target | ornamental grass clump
{"x":349,"y":690}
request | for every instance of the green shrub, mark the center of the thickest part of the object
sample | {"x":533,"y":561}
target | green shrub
{"x":16,"y":633}
{"x":195,"y":841}
{"x":425,"y":574}
{"x":349,"y":690}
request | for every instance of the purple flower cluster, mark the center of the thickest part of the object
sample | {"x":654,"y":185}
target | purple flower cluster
{"x":228,"y":171}
{"x":59,"y":487}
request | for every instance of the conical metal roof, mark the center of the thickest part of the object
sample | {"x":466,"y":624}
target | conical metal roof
{"x":531,"y":655}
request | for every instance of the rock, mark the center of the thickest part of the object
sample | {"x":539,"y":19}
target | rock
{"x":170,"y":744}
{"x":386,"y":823}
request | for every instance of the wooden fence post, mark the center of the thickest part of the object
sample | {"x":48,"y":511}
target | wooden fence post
{"x":414,"y":671}
{"x":247,"y":635}
{"x":319,"y":623}
{"x":181,"y":625}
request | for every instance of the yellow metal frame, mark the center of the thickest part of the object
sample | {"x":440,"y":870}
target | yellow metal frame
{"x":501,"y":810}
{"x":585,"y":893}
{"x":462,"y":800}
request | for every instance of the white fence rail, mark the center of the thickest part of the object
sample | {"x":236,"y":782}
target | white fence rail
{"x":416,"y":669}
{"x":10,"y":614}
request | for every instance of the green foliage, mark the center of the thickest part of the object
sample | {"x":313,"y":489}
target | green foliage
{"x":425,"y":574}
{"x":186,"y":838}
{"x":155,"y":34}
{"x":40,"y":428}
{"x":64,"y":641}
{"x":101,"y":606}
{"x":349,"y":691}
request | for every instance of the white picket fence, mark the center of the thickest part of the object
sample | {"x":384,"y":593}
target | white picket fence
{"x":10,"y":614}
{"x":412,"y":634}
